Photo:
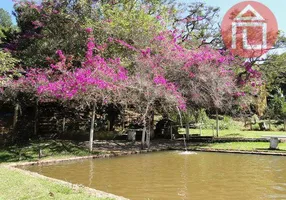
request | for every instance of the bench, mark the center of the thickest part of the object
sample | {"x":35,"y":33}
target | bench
{"x":274,"y":140}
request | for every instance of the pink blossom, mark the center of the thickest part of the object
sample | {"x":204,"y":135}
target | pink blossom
{"x":158,"y":17}
{"x":146,"y":52}
{"x":37,"y":24}
{"x":123,"y":43}
{"x":56,"y":11}
{"x":89,"y":30}
{"x":160,"y":80}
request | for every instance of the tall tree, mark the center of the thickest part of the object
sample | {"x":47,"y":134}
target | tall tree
{"x":274,"y":72}
{"x":5,"y":19}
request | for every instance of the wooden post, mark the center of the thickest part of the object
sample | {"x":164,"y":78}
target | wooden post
{"x":92,"y":128}
{"x":217,"y":123}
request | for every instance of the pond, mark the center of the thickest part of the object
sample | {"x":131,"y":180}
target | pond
{"x":171,"y":176}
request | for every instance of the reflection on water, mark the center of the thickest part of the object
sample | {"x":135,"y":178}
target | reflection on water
{"x":171,"y":176}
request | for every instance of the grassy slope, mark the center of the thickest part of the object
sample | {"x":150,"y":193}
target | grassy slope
{"x":235,"y":133}
{"x":256,"y":146}
{"x":16,"y":185}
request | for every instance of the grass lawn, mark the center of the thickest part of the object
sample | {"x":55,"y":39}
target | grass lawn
{"x":50,"y":149}
{"x":252,"y":146}
{"x":16,"y":185}
{"x":235,"y":133}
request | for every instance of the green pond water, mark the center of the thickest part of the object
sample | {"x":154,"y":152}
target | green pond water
{"x":171,"y":176}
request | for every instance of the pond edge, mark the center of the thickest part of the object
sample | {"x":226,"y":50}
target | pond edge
{"x":98,"y":193}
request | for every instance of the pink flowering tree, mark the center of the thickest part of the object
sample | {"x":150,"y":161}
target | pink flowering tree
{"x":205,"y":77}
{"x":175,"y":75}
{"x":98,"y":81}
{"x":146,"y":89}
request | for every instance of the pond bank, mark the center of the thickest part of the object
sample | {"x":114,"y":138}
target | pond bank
{"x":60,"y":151}
{"x":222,"y":145}
{"x":108,"y":149}
{"x":105,"y":149}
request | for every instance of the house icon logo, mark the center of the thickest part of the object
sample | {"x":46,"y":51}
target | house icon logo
{"x":248,"y":30}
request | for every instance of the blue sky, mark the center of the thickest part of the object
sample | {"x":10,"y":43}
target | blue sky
{"x":277,"y":7}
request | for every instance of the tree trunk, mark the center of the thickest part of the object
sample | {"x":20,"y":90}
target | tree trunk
{"x":124,"y":117}
{"x":152,"y":134}
{"x":36,"y":118}
{"x":111,"y":121}
{"x":64,"y":125}
{"x":15,"y":118}
{"x":148,"y":133}
{"x":108,"y":125}
{"x":150,"y":129}
{"x":188,"y":127}
{"x":148,"y":137}
{"x":284,"y":124}
{"x":217,"y":123}
{"x":187,"y":130}
{"x":269,"y":121}
{"x":143,"y":137}
{"x":92,"y":128}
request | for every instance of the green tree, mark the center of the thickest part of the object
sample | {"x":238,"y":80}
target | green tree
{"x":7,"y":67}
{"x":53,"y":25}
{"x":277,"y":105}
{"x":6,"y":24}
{"x":5,"y":19}
{"x":274,"y":72}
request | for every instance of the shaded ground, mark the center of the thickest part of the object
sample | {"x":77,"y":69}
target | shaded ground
{"x":36,"y":150}
{"x":59,"y":149}
{"x":136,"y":146}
